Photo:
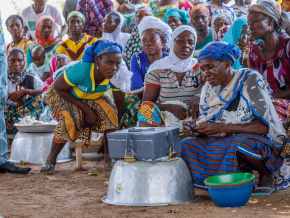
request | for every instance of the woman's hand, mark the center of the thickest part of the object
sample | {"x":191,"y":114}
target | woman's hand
{"x":193,"y":108}
{"x":245,"y":46}
{"x":19,"y":102}
{"x":210,"y":128}
{"x":178,"y":111}
{"x":14,"y":96}
{"x":91,"y":118}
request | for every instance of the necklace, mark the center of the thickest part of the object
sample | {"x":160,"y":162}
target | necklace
{"x":77,"y":42}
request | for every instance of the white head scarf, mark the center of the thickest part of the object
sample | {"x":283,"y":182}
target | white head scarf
{"x":214,"y":18}
{"x":150,"y":22}
{"x":117,"y":35}
{"x":172,"y":62}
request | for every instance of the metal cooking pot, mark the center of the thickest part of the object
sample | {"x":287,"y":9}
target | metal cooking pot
{"x":35,"y":147}
{"x":144,"y":183}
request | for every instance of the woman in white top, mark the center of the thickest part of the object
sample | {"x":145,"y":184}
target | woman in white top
{"x":112,"y":26}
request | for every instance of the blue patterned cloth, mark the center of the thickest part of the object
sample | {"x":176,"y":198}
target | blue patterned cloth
{"x":3,"y":97}
{"x":99,"y":48}
{"x":211,"y":156}
{"x":220,"y":51}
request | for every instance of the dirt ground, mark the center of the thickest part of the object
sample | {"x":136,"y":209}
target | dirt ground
{"x":72,"y":193}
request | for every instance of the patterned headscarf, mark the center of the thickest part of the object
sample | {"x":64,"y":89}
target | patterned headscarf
{"x":214,"y":18}
{"x":180,"y":14}
{"x":76,"y":13}
{"x":40,"y":41}
{"x":198,"y":8}
{"x":17,"y":78}
{"x":158,"y":26}
{"x":222,"y":32}
{"x":272,"y":9}
{"x":99,"y":48}
{"x":220,"y":51}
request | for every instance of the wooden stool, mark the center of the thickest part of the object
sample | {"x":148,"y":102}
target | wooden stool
{"x":81,"y":148}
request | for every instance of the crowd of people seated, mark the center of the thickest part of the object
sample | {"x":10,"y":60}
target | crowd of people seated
{"x":168,"y":63}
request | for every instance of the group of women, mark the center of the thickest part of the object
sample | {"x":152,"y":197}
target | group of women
{"x":173,"y":67}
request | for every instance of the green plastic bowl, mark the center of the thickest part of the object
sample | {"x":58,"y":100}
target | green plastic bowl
{"x":229,"y":179}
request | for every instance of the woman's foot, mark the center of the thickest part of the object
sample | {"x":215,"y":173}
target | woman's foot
{"x":48,"y":168}
{"x":266,"y":184}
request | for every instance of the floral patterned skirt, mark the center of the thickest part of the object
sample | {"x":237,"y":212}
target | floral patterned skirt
{"x":71,"y":124}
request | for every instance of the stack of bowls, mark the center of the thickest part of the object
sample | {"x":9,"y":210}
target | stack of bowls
{"x":230,"y":189}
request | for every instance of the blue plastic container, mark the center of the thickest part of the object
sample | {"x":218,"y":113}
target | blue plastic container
{"x":231,"y":196}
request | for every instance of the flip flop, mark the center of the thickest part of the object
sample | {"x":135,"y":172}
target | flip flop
{"x":263,"y":193}
{"x":47,"y":169}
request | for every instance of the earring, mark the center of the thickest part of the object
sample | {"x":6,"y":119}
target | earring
{"x":97,"y":67}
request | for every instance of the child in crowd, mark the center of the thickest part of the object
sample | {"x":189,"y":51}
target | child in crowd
{"x":56,"y":63}
{"x":38,"y":66}
{"x":14,"y":24}
{"x":112,"y":25}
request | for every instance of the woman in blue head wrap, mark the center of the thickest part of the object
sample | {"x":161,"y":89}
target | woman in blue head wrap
{"x":77,"y":99}
{"x":237,"y":120}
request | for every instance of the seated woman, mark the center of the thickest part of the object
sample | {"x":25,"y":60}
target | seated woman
{"x":172,"y":83}
{"x":175,"y":18}
{"x":77,"y":99}
{"x":238,"y":104}
{"x":112,"y":26}
{"x":134,"y":43}
{"x":218,"y":22}
{"x":14,"y":24}
{"x":78,"y":41}
{"x":270,"y":56}
{"x":155,"y":38}
{"x":24,"y":89}
{"x":44,"y":38}
{"x":200,"y":20}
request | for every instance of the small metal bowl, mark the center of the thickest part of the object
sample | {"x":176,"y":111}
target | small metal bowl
{"x":144,"y":183}
{"x":36,"y":128}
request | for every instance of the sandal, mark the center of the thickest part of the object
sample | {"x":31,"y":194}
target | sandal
{"x":266,"y":191}
{"x":47,"y":169}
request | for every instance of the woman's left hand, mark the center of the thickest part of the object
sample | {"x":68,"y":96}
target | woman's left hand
{"x":193,"y":108}
{"x":14,"y":96}
{"x":210,"y":128}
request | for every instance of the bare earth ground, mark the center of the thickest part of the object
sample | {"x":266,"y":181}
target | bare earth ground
{"x":72,"y":193}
